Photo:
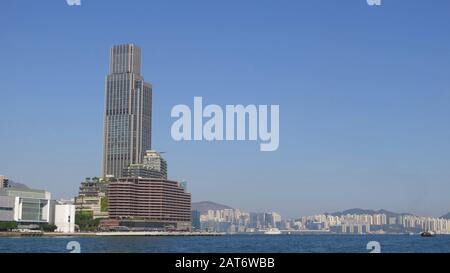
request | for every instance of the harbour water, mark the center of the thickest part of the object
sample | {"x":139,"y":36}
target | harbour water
{"x":329,"y":243}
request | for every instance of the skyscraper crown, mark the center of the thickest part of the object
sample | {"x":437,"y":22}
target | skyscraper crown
{"x":125,"y":58}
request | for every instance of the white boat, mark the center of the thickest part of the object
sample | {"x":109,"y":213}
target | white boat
{"x":272,"y":231}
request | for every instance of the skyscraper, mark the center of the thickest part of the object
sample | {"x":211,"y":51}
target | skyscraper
{"x":139,"y":195}
{"x":128,"y":111}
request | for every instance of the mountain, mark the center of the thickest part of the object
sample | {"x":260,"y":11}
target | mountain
{"x":204,"y":206}
{"x":447,"y":216}
{"x":12,"y":184}
{"x":358,"y":211}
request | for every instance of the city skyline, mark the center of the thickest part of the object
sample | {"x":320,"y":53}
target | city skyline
{"x":351,"y":221}
{"x":364,"y":118}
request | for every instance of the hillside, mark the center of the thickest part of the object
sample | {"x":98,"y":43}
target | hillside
{"x":446,"y":216}
{"x":368,"y":211}
{"x":17,"y":185}
{"x":204,"y":206}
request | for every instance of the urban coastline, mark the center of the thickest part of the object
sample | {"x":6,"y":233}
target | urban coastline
{"x":134,"y":195}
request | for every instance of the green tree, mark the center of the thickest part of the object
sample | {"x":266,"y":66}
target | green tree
{"x":85,"y":220}
{"x":8,"y":226}
{"x":48,"y":227}
{"x":104,"y":204}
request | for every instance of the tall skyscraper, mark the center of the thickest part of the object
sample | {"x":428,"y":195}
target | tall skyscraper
{"x":128,"y":111}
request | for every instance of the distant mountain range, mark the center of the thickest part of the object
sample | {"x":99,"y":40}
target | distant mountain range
{"x":18,"y":185}
{"x":368,"y":211}
{"x":447,"y":216}
{"x":204,"y":206}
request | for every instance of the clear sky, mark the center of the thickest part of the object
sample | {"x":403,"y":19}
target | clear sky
{"x":364,"y":95}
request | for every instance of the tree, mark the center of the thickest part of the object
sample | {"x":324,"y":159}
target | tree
{"x":85,"y":220}
{"x":48,"y":227}
{"x":104,"y":204}
{"x":8,"y":226}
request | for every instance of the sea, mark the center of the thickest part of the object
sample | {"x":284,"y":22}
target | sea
{"x":242,"y":243}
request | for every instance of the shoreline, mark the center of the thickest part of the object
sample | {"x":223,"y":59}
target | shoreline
{"x":162,"y":233}
{"x":104,"y":234}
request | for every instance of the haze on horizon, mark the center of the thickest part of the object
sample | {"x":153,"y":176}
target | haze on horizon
{"x":364,"y":97}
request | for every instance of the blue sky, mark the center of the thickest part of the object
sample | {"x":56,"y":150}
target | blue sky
{"x":364,"y":95}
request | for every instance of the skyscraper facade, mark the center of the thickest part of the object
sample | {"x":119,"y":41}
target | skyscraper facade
{"x":153,"y":166}
{"x":128,"y":111}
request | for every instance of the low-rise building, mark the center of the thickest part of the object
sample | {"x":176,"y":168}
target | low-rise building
{"x":25,"y":205}
{"x":32,"y":208}
{"x":92,"y":198}
{"x":63,"y":216}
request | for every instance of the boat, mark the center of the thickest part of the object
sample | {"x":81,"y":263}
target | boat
{"x":427,"y":234}
{"x":272,"y":231}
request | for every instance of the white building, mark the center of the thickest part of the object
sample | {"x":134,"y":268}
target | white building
{"x":25,"y":205}
{"x":28,"y":206}
{"x":64,"y":217}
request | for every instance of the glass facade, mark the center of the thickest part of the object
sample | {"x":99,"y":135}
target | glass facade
{"x":28,"y":205}
{"x":33,"y":210}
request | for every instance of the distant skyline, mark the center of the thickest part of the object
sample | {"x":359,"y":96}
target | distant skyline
{"x":364,"y":95}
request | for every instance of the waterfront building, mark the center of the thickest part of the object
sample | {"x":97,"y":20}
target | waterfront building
{"x":26,"y":206}
{"x":392,"y":220}
{"x":196,"y":225}
{"x":139,"y":195}
{"x":354,"y":226}
{"x":128,"y":111}
{"x":92,"y":198}
{"x":63,"y":216}
{"x":149,"y":203}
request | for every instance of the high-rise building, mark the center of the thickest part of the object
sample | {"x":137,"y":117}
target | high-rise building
{"x":3,"y":182}
{"x":196,"y":224}
{"x":128,"y":111}
{"x":154,"y":160}
{"x":153,"y":166}
{"x":139,"y":196}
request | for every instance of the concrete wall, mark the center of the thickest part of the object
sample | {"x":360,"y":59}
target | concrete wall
{"x":64,"y":218}
{"x":7,"y":208}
